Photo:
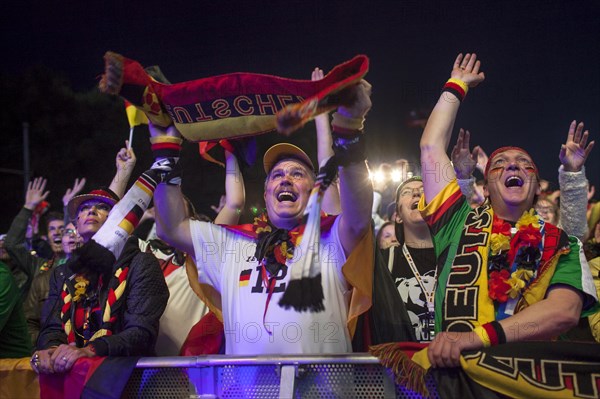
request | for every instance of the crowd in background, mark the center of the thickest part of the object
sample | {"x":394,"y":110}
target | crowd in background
{"x":44,"y":242}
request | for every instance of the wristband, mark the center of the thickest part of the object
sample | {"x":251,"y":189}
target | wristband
{"x":495,"y":333}
{"x":349,"y":149}
{"x":345,"y":123}
{"x":456,"y":87}
{"x":166,"y":146}
{"x":463,"y":85}
{"x":173,"y":178}
{"x":167,"y":170}
{"x":483,"y":336}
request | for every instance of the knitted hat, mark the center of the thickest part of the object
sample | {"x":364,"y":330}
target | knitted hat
{"x":282,"y":151}
{"x":102,"y":194}
{"x":504,"y":149}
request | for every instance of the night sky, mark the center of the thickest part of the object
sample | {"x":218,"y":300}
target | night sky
{"x":541,"y":59}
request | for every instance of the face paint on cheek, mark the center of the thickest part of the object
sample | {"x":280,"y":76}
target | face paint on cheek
{"x":495,"y":172}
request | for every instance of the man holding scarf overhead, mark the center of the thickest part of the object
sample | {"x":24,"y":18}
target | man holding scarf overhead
{"x":291,"y":282}
{"x":506,"y":275}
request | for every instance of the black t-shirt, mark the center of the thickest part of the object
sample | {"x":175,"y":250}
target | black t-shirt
{"x":409,"y":289}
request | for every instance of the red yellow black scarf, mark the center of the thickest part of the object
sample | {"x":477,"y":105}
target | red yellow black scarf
{"x":231,"y":105}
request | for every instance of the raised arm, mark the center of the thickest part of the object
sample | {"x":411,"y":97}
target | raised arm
{"x":69,"y":194}
{"x":572,"y":181}
{"x":331,"y":197}
{"x":235,"y":195}
{"x":172,"y":222}
{"x":356,"y":189}
{"x":465,"y":162}
{"x":435,"y":164}
{"x":14,"y":241}
{"x":125,"y":162}
{"x":36,"y":193}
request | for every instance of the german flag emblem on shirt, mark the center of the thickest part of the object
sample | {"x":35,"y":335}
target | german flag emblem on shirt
{"x":245,"y":277}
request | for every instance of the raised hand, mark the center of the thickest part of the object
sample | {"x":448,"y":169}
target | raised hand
{"x":35,"y":193}
{"x":574,"y":152}
{"x":125,"y":160}
{"x":467,"y":69}
{"x":317,"y":74}
{"x":321,"y":119}
{"x":482,"y":158}
{"x":71,"y":192}
{"x":463,"y":159}
{"x":356,"y":100}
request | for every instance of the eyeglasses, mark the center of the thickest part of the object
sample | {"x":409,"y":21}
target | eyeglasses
{"x":70,"y":232}
{"x":544,"y":209}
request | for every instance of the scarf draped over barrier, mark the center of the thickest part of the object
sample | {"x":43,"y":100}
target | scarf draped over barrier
{"x":557,"y":369}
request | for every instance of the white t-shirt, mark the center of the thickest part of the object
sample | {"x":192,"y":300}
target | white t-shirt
{"x":225,"y":260}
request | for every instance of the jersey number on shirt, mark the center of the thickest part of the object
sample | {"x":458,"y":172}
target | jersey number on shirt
{"x":258,"y":287}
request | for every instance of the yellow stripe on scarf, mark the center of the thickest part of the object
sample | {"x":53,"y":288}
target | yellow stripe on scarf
{"x":536,"y":291}
{"x":120,"y":289}
{"x":513,"y":386}
{"x":100,"y":333}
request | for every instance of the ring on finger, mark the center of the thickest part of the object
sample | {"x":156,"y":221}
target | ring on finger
{"x":64,"y":358}
{"x":35,"y":362}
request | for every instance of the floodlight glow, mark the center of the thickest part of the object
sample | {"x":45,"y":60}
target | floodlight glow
{"x":378,"y":176}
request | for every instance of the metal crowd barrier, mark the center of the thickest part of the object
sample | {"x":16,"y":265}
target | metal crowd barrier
{"x":219,"y":376}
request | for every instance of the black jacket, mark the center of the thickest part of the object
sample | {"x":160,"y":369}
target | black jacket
{"x":135,"y":331}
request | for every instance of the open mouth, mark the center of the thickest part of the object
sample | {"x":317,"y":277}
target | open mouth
{"x":513,"y":181}
{"x":286,"y":196}
{"x":414,"y":206}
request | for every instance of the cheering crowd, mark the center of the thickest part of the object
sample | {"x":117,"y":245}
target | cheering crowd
{"x":473,"y":249}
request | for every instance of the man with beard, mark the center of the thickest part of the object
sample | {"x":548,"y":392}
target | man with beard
{"x":506,"y":275}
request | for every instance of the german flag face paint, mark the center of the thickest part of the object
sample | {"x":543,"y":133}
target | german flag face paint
{"x":497,"y":157}
{"x":512,"y":178}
